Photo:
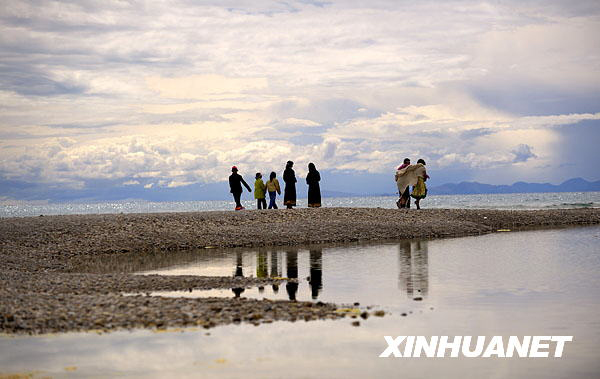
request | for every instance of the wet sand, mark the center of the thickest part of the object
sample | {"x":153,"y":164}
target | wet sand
{"x":43,"y":287}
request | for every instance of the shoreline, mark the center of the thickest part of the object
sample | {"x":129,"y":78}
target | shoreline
{"x":44,"y":286}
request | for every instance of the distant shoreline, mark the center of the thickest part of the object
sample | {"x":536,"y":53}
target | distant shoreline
{"x":533,"y":201}
{"x":43,"y":287}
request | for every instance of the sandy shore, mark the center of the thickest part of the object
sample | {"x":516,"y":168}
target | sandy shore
{"x":44,"y":286}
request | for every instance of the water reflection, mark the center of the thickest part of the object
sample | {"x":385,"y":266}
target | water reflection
{"x":275,"y":269}
{"x":291,"y":258}
{"x":316,"y":272}
{"x":413,"y":278}
{"x":480,"y":286}
{"x":239,"y":273}
{"x":351,"y":272}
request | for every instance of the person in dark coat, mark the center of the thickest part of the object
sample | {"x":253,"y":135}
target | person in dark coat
{"x":235,"y":186}
{"x":314,"y":190}
{"x":289,"y":177}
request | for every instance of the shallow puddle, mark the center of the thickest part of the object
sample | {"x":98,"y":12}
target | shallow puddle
{"x":380,"y":275}
{"x":524,"y":283}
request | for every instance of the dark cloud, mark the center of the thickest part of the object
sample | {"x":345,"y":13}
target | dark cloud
{"x":31,"y":83}
{"x":534,"y":98}
{"x":474,"y":133}
{"x":578,"y":151}
{"x":523,"y":153}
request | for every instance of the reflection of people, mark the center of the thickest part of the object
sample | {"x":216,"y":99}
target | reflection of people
{"x":314,"y":190}
{"x":235,"y":187}
{"x":420,"y":189}
{"x":238,"y":291}
{"x":239,"y":273}
{"x":289,"y":194}
{"x":414,"y":269}
{"x":239,"y":265}
{"x":316,"y":272}
{"x":262,"y":270}
{"x":404,"y":200}
{"x":291,"y":259}
{"x":275,"y":269}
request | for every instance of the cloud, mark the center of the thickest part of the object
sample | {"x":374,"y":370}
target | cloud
{"x":203,"y":87}
{"x":299,"y":122}
{"x":522,"y":153}
{"x":172,"y":93}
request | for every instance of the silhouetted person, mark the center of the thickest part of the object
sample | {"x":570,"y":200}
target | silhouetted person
{"x":316,"y":272}
{"x":259,"y":192}
{"x":404,"y":200}
{"x":289,"y":177}
{"x":314,"y":190}
{"x":235,"y":187}
{"x":273,"y":189}
{"x":419,"y":191}
{"x":291,"y":287}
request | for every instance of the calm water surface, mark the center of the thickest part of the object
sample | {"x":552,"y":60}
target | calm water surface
{"x":517,"y":283}
{"x":557,"y":200}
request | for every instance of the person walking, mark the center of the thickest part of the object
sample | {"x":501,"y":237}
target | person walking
{"x":273,"y":189}
{"x":235,"y":187}
{"x":404,"y":200}
{"x":289,"y":177}
{"x":259,"y":192}
{"x":314,"y":190}
{"x":419,"y":191}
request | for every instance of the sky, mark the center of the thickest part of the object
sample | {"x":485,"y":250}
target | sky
{"x":141,"y":99}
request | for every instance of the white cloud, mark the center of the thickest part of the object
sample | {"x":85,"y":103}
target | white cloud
{"x":299,"y":122}
{"x":175,"y":92}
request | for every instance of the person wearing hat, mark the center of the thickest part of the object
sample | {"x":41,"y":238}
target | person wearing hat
{"x":235,"y":186}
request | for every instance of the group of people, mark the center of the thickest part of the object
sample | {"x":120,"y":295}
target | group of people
{"x":411,"y":175}
{"x":273,"y":189}
{"x":407,"y":175}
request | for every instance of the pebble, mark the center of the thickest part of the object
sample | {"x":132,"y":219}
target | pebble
{"x":68,"y":273}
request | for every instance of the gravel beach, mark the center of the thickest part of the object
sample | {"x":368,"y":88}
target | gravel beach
{"x":48,"y":282}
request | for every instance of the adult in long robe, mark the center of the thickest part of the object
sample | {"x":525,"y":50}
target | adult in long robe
{"x":289,"y":194}
{"x":404,"y":200}
{"x":314,"y":190}
{"x":408,"y":176}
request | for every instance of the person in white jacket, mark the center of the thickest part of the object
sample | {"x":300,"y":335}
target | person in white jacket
{"x":405,"y":177}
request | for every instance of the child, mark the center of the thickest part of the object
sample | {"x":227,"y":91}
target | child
{"x":272,"y":187}
{"x":420,"y":189}
{"x":259,"y":192}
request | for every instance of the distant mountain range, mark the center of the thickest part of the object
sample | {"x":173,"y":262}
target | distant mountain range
{"x":465,"y":188}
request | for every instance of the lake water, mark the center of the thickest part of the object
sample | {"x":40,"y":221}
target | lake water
{"x":493,"y":201}
{"x":541,"y":282}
